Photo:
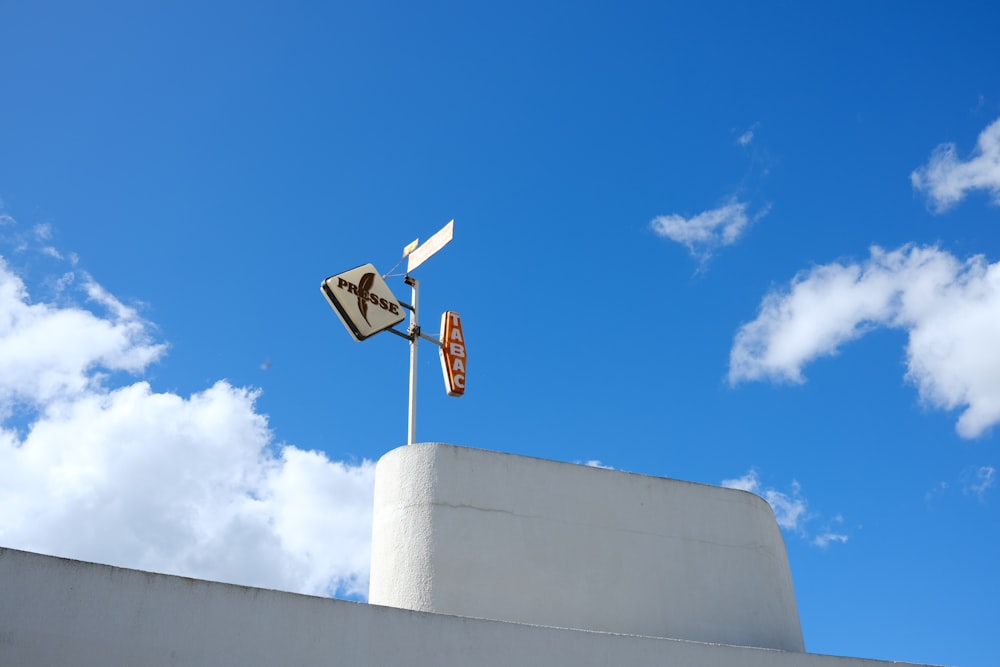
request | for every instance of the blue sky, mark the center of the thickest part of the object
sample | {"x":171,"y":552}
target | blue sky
{"x":751,"y":244}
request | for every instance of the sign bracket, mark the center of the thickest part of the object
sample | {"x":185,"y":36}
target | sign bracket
{"x":420,"y":332}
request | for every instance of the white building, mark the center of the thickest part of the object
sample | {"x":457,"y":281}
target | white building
{"x":478,"y":558}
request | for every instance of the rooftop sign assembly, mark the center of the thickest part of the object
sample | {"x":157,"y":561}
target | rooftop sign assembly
{"x":366,"y":306}
{"x":363,"y":301}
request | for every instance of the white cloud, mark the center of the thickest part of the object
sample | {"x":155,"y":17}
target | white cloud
{"x":823,"y":540}
{"x":50,"y":352}
{"x":937,"y":490}
{"x":747,"y":137}
{"x":128,"y":476}
{"x":43,"y":232}
{"x":950,"y":310}
{"x":595,"y":463}
{"x":704,"y":232}
{"x":977,"y":481}
{"x":748,"y":482}
{"x":791,"y":510}
{"x":827,"y":536}
{"x":947,"y":180}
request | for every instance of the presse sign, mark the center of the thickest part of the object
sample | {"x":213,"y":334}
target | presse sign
{"x":363,"y":301}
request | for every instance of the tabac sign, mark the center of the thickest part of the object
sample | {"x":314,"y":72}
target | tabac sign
{"x":454,"y":356}
{"x":363,"y":301}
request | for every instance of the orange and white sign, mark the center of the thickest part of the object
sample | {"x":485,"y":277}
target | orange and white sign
{"x":454,"y":356}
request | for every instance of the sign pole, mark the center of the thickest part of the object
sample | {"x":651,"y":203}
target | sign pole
{"x":414,"y":334}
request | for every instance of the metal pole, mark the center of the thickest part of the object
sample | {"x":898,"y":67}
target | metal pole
{"x":414,"y":332}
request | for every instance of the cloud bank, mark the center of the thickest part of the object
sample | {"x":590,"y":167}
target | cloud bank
{"x":709,"y":230}
{"x":949,"y":308}
{"x":118,"y":473}
{"x":947,"y":180}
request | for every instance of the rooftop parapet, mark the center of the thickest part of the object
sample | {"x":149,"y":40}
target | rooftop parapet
{"x":482,"y":534}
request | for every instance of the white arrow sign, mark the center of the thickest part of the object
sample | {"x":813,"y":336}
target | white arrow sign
{"x":430,"y":246}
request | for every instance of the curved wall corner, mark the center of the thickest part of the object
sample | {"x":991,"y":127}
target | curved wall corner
{"x":482,"y":534}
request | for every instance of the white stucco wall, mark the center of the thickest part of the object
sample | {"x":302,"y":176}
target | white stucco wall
{"x":60,"y":613}
{"x":482,"y":534}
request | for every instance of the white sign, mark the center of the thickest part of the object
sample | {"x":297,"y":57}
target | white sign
{"x":362,"y":301}
{"x":430,"y":246}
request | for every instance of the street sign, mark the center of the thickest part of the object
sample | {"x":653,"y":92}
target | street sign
{"x":362,"y":301}
{"x":454,"y":356}
{"x":430,"y":246}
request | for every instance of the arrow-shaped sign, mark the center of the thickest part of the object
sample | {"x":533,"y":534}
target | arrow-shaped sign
{"x":430,"y":246}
